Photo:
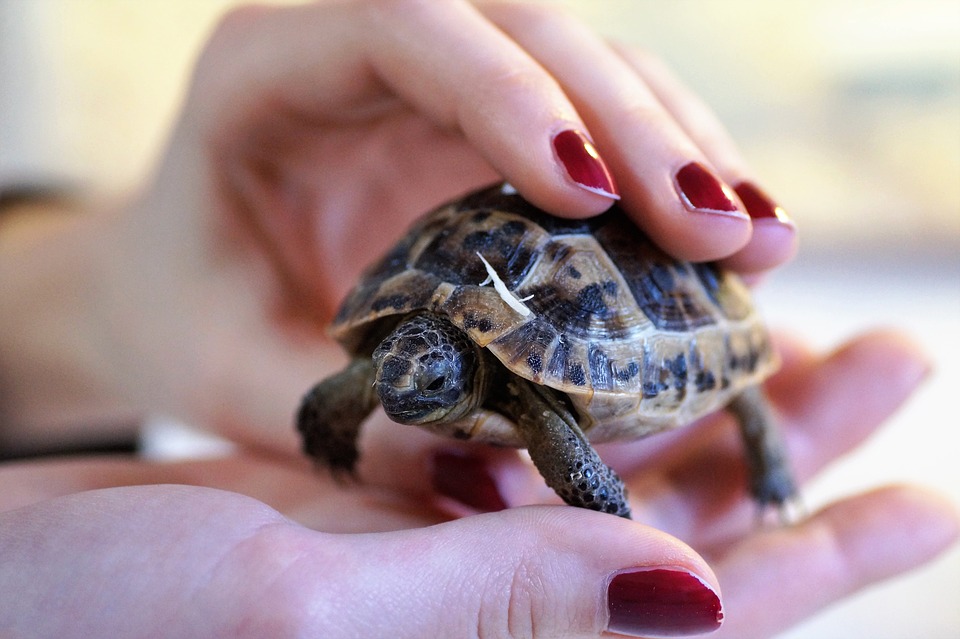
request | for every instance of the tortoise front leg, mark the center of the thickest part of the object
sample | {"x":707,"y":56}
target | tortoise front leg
{"x":331,"y":414}
{"x":560,"y":450}
{"x":771,"y":481}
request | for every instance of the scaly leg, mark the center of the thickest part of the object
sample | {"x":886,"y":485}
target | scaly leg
{"x":771,"y":482}
{"x":331,"y":414}
{"x":560,"y":450}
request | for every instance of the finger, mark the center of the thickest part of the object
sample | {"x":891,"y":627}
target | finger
{"x":779,"y":577}
{"x":828,"y":405}
{"x":774,"y":237}
{"x":531,"y":572}
{"x":232,"y":562}
{"x":348,"y":62}
{"x":831,"y":407}
{"x":667,"y":182}
{"x":537,"y":572}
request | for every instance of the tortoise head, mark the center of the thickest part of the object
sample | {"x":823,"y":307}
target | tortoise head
{"x":427,"y":372}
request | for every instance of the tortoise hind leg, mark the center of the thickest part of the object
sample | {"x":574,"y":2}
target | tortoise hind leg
{"x":560,"y":450}
{"x":331,"y":413}
{"x":771,"y":481}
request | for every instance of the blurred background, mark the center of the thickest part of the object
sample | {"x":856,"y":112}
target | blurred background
{"x":849,"y":110}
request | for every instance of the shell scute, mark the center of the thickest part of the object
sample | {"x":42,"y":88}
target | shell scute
{"x":398,"y":294}
{"x":478,"y":310}
{"x":581,"y":291}
{"x":661,"y":286}
{"x":504,"y":241}
{"x":532,"y":342}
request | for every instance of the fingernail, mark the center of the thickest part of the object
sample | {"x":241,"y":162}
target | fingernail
{"x":662,"y":602}
{"x":759,"y":204}
{"x":467,"y":479}
{"x":703,"y":192}
{"x":584,"y":164}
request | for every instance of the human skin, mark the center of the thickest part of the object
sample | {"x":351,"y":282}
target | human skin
{"x":310,"y":137}
{"x":254,"y":545}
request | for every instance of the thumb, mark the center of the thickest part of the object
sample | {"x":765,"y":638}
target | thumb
{"x":183,"y":561}
{"x":524,"y":572}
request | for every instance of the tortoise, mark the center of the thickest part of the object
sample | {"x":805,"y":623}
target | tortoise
{"x":494,"y":321}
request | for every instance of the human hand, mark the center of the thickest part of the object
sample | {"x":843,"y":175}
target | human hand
{"x":395,"y":560}
{"x":311,"y":137}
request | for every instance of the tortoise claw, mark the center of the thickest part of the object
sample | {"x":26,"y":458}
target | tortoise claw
{"x":785,"y":513}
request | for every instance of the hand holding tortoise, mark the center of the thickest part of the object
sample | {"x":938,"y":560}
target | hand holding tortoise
{"x":310,"y":138}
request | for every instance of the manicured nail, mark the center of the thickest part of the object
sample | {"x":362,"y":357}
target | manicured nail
{"x":467,"y":479}
{"x":702,"y":191}
{"x":662,"y":602}
{"x":584,"y":164}
{"x":759,"y":204}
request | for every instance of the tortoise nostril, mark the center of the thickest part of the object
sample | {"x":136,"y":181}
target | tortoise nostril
{"x":436,"y":384}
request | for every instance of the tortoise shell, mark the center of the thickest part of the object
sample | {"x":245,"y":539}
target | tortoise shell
{"x":637,"y":340}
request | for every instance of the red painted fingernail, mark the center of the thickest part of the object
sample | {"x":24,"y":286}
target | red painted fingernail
{"x":759,"y":204}
{"x":467,"y":479}
{"x":662,"y":602}
{"x":584,"y":164}
{"x":702,"y":191}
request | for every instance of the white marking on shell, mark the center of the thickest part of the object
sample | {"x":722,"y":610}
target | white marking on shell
{"x":502,"y":289}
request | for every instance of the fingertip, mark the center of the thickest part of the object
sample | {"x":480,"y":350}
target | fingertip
{"x":893,"y":355}
{"x":880,"y":370}
{"x":562,"y":200}
{"x":939,"y":516}
{"x":689,"y":212}
{"x":772,"y":244}
{"x":539,"y":571}
{"x":934,"y":512}
{"x":774,"y":240}
{"x":583,"y":164}
{"x":891,"y":529}
{"x":575,"y":182}
{"x":662,"y":602}
{"x":652,"y":583}
{"x":840,"y":549}
{"x":694,"y":239}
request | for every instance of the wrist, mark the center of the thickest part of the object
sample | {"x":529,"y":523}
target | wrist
{"x":58,"y":363}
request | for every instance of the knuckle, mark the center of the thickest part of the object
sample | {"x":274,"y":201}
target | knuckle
{"x":516,"y":81}
{"x":521,"y":90}
{"x":509,"y":603}
{"x":648,"y":116}
{"x":518,"y":600}
{"x":526,"y":595}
